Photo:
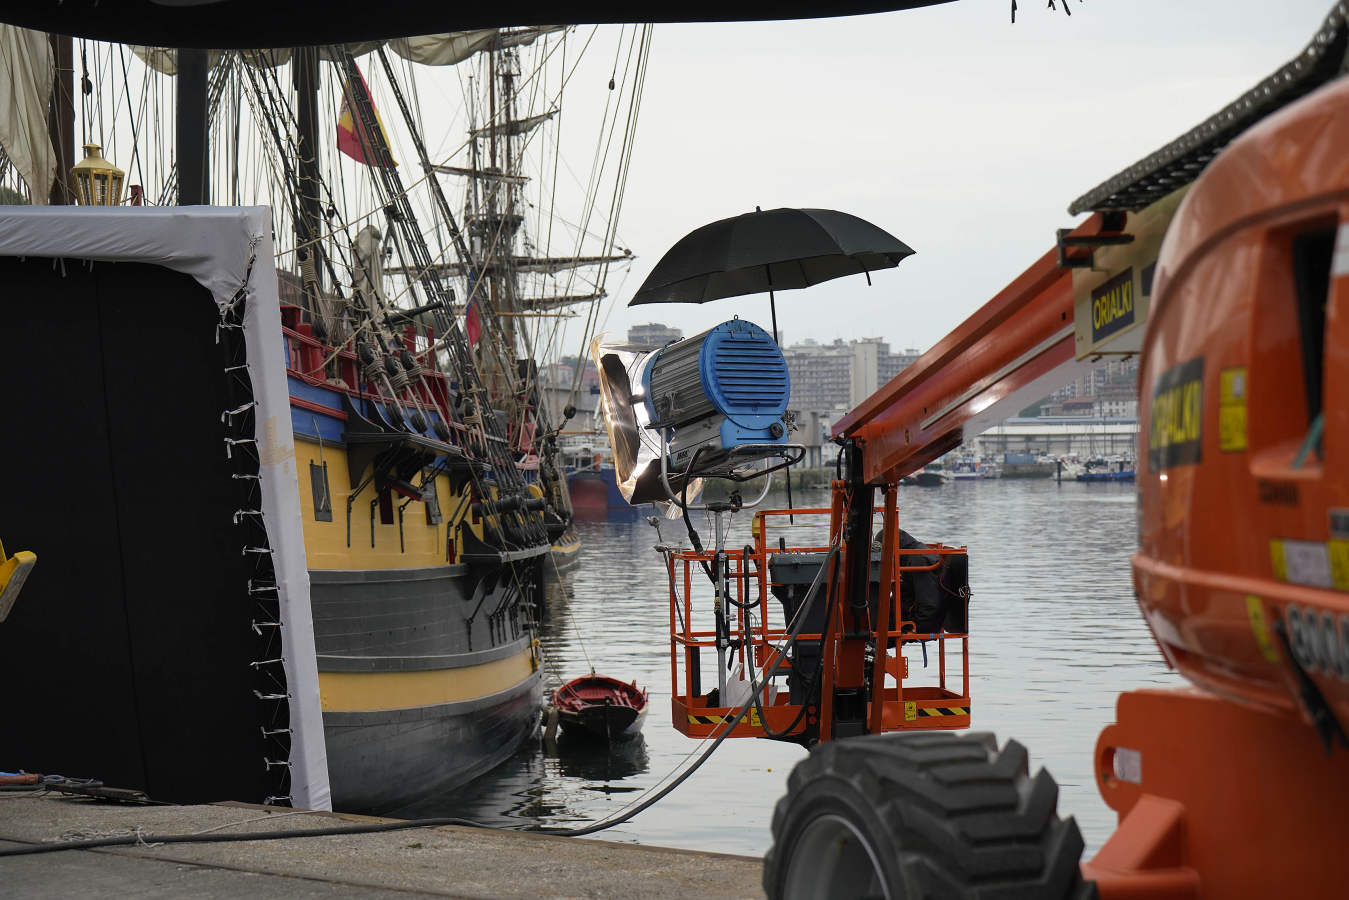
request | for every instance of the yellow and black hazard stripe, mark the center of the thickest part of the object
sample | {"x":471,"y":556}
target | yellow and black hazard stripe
{"x":752,"y":718}
{"x":943,"y":711}
{"x":706,"y":720}
{"x":912,"y":711}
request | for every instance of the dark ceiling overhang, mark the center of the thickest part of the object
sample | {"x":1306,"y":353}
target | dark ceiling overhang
{"x":1178,"y":163}
{"x":244,"y":24}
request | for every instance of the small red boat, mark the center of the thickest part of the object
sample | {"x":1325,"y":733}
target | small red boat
{"x":597,"y":706}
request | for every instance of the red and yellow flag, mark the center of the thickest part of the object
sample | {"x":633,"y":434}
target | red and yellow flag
{"x":352,"y":136}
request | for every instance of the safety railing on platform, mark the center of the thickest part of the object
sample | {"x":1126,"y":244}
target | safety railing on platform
{"x":756,"y":633}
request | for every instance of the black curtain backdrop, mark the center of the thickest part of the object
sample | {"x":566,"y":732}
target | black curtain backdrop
{"x":127,"y":656}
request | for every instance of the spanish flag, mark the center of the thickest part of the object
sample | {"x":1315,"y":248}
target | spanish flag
{"x":352,"y":137}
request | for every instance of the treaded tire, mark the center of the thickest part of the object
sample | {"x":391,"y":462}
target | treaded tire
{"x":929,"y":815}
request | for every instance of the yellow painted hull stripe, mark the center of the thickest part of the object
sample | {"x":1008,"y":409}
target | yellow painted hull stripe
{"x":374,"y":691}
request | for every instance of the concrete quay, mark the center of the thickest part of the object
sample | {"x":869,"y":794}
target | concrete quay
{"x":445,"y":861}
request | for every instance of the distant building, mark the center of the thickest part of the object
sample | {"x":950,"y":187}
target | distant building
{"x":834,"y":377}
{"x":1108,"y":391}
{"x":864,"y":371}
{"x":894,"y":363}
{"x":653,"y":334}
{"x":821,"y":375}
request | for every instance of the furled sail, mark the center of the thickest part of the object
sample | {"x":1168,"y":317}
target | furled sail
{"x":26,"y":57}
{"x":446,"y":49}
{"x":515,"y":126}
{"x":548,"y":264}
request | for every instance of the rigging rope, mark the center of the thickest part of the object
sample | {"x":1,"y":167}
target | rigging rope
{"x":619,"y":189}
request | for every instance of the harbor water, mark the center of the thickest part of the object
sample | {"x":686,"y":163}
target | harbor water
{"x":1055,"y":637}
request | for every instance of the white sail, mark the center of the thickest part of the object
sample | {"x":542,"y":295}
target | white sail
{"x":26,"y":57}
{"x":444,"y":49}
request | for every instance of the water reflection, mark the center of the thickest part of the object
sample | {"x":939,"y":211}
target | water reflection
{"x":1056,"y":637}
{"x":604,"y":762}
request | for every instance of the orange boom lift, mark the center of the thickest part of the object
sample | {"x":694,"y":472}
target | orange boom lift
{"x":1222,"y":260}
{"x":1236,"y":294}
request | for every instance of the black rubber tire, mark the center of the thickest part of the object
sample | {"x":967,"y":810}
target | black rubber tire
{"x":927,"y":815}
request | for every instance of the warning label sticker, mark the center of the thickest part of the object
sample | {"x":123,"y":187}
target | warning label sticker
{"x":1232,"y":410}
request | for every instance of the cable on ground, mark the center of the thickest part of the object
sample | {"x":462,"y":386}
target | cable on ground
{"x":142,"y":838}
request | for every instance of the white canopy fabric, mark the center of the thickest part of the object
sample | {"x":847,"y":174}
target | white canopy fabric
{"x":446,"y":49}
{"x":25,"y":89}
{"x":214,"y":245}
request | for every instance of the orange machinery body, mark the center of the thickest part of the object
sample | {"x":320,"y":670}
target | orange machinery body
{"x":1243,"y":564}
{"x":1238,"y":534}
{"x":1243,"y":568}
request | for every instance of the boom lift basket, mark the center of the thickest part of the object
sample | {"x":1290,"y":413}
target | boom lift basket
{"x":819,"y":686}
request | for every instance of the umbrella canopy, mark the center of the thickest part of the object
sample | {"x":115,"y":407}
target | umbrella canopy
{"x":773,"y":250}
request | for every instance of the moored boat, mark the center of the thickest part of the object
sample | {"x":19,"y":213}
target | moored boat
{"x":964,"y":470}
{"x":1098,"y":469}
{"x":592,"y":484}
{"x":598,"y":706}
{"x":932,"y":476}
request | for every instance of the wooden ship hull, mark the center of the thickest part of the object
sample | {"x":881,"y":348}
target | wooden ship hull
{"x":428,"y":671}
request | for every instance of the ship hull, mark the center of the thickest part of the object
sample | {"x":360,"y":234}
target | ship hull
{"x":428,"y":672}
{"x":565,"y":554}
{"x":418,"y":695}
{"x":379,"y":761}
{"x":595,"y":496}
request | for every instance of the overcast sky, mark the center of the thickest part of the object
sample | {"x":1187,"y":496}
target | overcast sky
{"x":962,"y":134}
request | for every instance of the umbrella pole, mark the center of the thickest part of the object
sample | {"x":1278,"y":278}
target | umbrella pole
{"x":772,"y":301}
{"x":773,"y":306}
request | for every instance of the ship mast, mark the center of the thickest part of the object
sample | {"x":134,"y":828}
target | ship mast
{"x":495,"y":226}
{"x":193,"y":150}
{"x":308,"y":254}
{"x":496,"y":216}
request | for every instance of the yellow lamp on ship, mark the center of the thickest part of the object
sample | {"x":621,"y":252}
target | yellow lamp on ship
{"x":97,"y":181}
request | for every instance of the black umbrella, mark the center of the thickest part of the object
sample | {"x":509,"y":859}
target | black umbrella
{"x":777,"y":250}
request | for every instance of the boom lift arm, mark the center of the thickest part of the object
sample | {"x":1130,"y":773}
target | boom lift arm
{"x":1012,"y":351}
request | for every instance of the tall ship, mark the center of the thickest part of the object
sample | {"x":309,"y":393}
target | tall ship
{"x":417,"y":297}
